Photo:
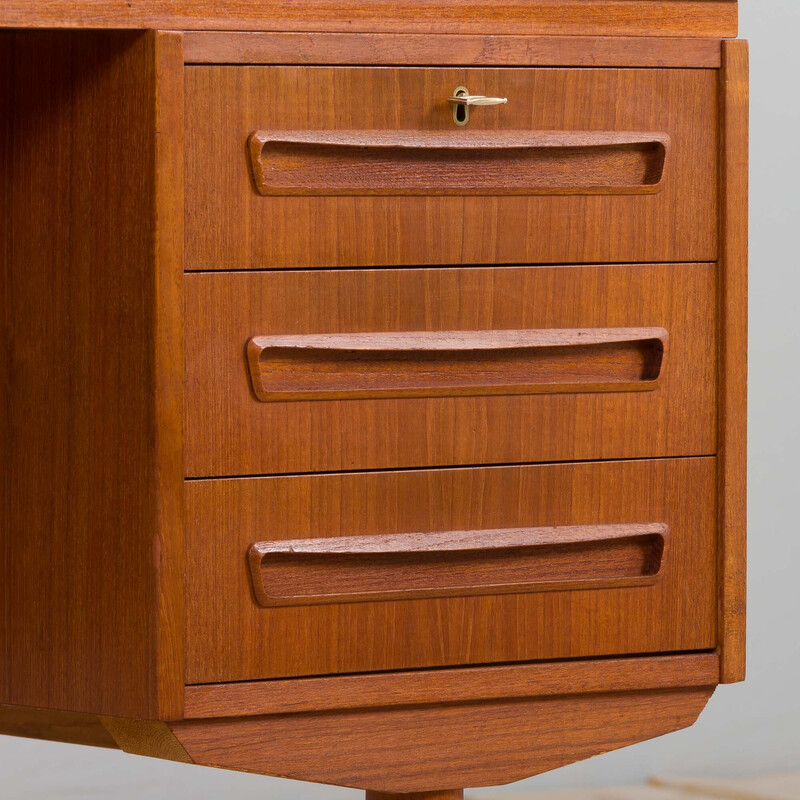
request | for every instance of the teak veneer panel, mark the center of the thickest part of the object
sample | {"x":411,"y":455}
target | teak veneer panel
{"x":717,"y":18}
{"x":91,"y":597}
{"x":226,"y":104}
{"x":678,"y":613}
{"x":411,"y":749}
{"x":371,"y":49}
{"x":454,"y":685}
{"x":229,"y":432}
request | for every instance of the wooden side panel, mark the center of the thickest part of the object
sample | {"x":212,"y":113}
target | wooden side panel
{"x":226,"y":104}
{"x":229,"y":432}
{"x":418,"y":748}
{"x":733,"y":360}
{"x":583,"y":17}
{"x":168,"y":376}
{"x":92,"y":611}
{"x":6,"y":178}
{"x":249,"y":642}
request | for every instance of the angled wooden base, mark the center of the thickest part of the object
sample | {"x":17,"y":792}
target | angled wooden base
{"x":415,"y":736}
{"x":55,"y":726}
{"x":411,"y":749}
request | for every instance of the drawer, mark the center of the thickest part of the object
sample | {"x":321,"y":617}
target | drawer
{"x":353,"y":572}
{"x":354,"y":166}
{"x":328,"y":370}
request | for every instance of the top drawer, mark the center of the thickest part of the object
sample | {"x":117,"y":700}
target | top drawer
{"x":350,"y":166}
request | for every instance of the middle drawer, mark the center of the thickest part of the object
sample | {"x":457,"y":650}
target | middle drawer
{"x":317,"y":371}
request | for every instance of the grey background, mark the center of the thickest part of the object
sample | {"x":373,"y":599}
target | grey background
{"x":747,"y":728}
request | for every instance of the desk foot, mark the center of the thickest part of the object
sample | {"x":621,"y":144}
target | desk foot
{"x":448,"y":794}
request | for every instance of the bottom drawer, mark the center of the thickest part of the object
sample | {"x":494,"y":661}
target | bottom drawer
{"x":355,"y":572}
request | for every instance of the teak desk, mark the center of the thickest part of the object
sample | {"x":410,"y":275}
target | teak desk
{"x":373,"y":380}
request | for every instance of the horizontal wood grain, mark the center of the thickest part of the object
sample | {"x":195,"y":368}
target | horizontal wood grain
{"x":319,"y":163}
{"x":716,"y":18}
{"x":455,"y":685}
{"x":230,"y":432}
{"x":407,"y":566}
{"x":228,"y":47}
{"x":415,"y":748}
{"x":225,"y":104}
{"x":455,"y":363}
{"x":225,"y":517}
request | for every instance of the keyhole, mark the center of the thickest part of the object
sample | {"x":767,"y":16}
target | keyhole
{"x":461,"y":113}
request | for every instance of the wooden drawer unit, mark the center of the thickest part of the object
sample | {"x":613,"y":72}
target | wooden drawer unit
{"x":364,"y":446}
{"x":334,"y":166}
{"x":330,"y":370}
{"x":580,"y":586}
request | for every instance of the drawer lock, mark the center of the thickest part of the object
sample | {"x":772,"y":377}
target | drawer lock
{"x":461,"y":101}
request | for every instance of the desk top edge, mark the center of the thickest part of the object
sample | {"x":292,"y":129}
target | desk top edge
{"x":686,"y":18}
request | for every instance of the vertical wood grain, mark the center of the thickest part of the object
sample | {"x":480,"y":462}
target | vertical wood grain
{"x":732,"y":474}
{"x":6,"y":125}
{"x":93,"y":386}
{"x":228,"y":432}
{"x":168,"y":369}
{"x":225,"y":104}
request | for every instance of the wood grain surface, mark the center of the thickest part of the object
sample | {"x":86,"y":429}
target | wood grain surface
{"x":413,"y":749}
{"x":716,"y":18}
{"x":453,"y":685}
{"x":228,"y":47}
{"x":91,"y":613}
{"x":229,"y":432}
{"x":150,"y":738}
{"x":250,"y":642}
{"x":225,"y":104}
{"x":733,"y":362}
{"x":54,"y":726}
{"x":7,"y":91}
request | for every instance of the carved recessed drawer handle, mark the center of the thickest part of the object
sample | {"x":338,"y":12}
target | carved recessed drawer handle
{"x":348,"y":569}
{"x":457,"y":162}
{"x":342,"y":366}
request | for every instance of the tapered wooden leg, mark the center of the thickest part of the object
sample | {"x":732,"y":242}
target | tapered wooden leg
{"x":448,"y":794}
